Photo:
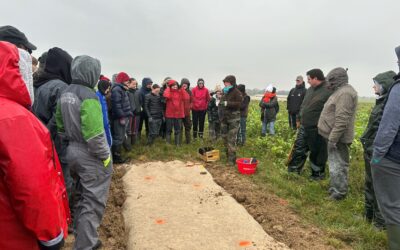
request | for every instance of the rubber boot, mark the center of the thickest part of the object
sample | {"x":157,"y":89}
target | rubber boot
{"x":168,"y":138}
{"x":393,"y":234}
{"x":232,"y":159}
{"x":133,"y":140}
{"x":194,"y":135}
{"x":117,"y":157}
{"x":178,"y":140}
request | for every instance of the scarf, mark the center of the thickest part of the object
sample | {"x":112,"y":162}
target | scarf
{"x":226,"y":89}
{"x":268,"y":96}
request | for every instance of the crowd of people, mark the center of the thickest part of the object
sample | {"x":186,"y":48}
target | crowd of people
{"x":64,"y":124}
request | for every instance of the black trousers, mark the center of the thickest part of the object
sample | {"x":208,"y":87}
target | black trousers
{"x":309,"y":141}
{"x":292,"y":120}
{"x":198,"y":118}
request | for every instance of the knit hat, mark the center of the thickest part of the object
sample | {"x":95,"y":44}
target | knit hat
{"x":299,"y":78}
{"x":122,"y":77}
{"x":269,"y":88}
{"x":218,"y":88}
{"x":105,"y":78}
{"x":172,"y":83}
{"x":103,"y":85}
{"x":231,"y":79}
{"x":156,"y":86}
{"x":13,"y":35}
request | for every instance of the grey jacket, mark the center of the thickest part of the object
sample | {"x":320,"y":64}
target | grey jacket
{"x":337,"y":119}
{"x":79,"y":113}
{"x":387,"y":140}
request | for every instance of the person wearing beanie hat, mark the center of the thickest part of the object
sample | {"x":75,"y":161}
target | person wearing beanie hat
{"x":174,"y":112}
{"x":144,"y":119}
{"x":120,"y":114}
{"x":214,"y":124}
{"x":104,"y":88}
{"x":201,"y":97}
{"x":136,"y":107}
{"x":269,"y":110}
{"x":308,"y":139}
{"x":336,"y":126}
{"x":154,"y":109}
{"x":123,"y":78}
{"x":385,"y":163}
{"x":229,"y":114}
{"x":294,"y":100}
{"x":244,"y":110}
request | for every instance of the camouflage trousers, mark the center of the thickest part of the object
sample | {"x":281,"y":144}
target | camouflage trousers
{"x":229,"y":130}
{"x":339,"y":161}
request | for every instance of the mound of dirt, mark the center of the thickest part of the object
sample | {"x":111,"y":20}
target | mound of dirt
{"x":272,"y":212}
{"x":112,"y":229}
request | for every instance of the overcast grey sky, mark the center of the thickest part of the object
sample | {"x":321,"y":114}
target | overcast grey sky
{"x":260,"y":42}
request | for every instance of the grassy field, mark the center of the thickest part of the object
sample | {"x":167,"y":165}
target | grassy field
{"x":342,"y":221}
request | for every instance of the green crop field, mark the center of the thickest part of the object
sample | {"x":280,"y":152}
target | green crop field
{"x":342,"y":221}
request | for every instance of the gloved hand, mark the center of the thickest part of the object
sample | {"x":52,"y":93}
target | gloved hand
{"x":150,"y":119}
{"x":332,"y":145}
{"x":122,"y":121}
{"x":107,"y":162}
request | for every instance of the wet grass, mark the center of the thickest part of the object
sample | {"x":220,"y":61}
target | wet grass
{"x":342,"y":221}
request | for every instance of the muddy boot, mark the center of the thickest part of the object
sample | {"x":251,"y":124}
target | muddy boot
{"x":116,"y":153}
{"x":393,"y":234}
{"x":178,"y":140}
{"x":168,"y":138}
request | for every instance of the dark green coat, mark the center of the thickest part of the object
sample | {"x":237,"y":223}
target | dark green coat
{"x":313,"y":104}
{"x":386,"y":80}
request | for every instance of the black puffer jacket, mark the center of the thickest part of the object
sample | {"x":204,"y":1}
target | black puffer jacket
{"x":153,"y":106}
{"x":295,"y":98}
{"x":121,"y":106}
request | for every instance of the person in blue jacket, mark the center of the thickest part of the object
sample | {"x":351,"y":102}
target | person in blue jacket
{"x":104,"y":88}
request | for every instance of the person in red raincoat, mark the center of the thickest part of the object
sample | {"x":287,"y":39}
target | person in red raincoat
{"x":33,"y":202}
{"x":174,"y":110}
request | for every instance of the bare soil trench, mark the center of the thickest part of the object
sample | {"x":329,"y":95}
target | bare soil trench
{"x":270,"y":211}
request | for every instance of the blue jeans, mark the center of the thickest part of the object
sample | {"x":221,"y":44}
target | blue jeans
{"x":270,"y":125}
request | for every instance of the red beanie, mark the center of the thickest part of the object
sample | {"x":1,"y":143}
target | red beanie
{"x":172,"y":83}
{"x":122,"y":77}
{"x":104,"y":78}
